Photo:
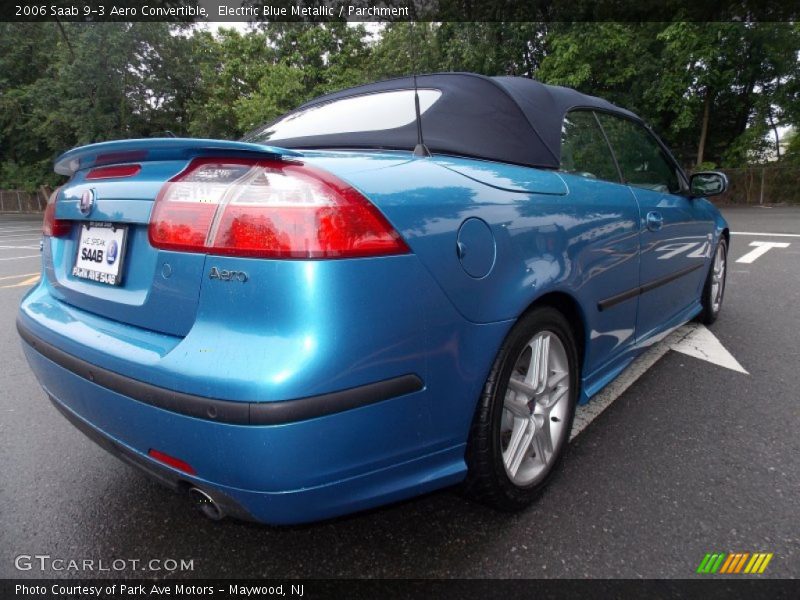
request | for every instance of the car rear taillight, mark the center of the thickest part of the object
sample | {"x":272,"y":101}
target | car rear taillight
{"x":270,"y":209}
{"x":52,"y":226}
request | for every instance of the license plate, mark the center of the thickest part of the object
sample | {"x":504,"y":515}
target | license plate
{"x":101,"y":250}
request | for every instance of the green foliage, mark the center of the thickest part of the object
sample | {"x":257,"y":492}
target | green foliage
{"x":792,"y":154}
{"x":67,"y":84}
{"x":665,"y":73}
{"x":70,"y":84}
{"x":487,"y":48}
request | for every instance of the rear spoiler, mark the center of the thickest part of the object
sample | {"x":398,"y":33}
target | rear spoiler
{"x":150,"y":149}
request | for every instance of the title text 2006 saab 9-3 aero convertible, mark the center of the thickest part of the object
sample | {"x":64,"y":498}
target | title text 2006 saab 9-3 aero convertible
{"x":392,"y":289}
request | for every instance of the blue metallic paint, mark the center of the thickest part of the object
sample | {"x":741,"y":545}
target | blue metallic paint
{"x":585,"y":245}
{"x":304,"y":327}
{"x":684,"y":239}
{"x":476,"y":247}
{"x":158,"y":149}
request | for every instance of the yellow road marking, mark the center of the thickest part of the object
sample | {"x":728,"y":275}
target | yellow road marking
{"x":23,"y":283}
{"x":17,"y":276}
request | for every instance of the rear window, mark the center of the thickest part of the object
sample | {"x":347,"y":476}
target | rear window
{"x":370,"y":112}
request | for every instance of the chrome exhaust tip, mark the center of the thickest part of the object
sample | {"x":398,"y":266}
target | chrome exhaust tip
{"x":206,"y":504}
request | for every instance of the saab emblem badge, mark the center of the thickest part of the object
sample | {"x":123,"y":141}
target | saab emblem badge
{"x":111,"y":252}
{"x":86,"y":203}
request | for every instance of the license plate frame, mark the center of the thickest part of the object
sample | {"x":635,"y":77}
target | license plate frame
{"x":105,"y":234}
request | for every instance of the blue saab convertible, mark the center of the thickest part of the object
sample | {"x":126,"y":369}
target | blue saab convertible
{"x":392,"y":289}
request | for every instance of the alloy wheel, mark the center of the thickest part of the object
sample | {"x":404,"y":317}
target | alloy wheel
{"x":535,"y":408}
{"x":718,"y":278}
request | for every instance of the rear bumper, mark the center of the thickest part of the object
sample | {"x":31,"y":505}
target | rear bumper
{"x":230,"y":458}
{"x":295,"y":407}
{"x":168,"y":477}
{"x":224,"y":411}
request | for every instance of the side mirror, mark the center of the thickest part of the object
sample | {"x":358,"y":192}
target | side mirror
{"x":707,"y":183}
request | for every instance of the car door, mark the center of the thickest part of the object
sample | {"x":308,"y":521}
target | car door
{"x":607,"y":238}
{"x":675,"y":232}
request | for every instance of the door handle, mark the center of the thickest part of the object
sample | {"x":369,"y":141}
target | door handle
{"x":654,"y":220}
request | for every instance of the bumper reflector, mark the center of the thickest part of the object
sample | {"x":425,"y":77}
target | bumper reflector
{"x":175,"y":463}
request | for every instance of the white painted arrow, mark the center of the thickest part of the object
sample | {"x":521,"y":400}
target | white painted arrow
{"x":701,"y":343}
{"x":692,"y":339}
{"x":761,"y":248}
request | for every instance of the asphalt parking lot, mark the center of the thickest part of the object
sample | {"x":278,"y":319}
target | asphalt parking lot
{"x":692,"y":458}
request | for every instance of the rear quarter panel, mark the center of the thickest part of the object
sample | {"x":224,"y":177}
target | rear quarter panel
{"x":579,"y":237}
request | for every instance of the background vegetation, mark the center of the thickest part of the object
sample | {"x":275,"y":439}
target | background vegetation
{"x":717,"y":92}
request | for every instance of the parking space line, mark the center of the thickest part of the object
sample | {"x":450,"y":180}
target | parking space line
{"x":17,"y":276}
{"x":587,"y":413}
{"x":797,"y":235}
{"x":692,"y":339}
{"x":21,"y":257}
{"x":23,"y":283}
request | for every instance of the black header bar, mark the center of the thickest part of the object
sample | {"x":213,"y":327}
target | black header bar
{"x":187,"y":11}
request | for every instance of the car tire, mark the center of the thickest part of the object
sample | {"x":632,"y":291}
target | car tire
{"x":714,"y":288}
{"x":508,"y":463}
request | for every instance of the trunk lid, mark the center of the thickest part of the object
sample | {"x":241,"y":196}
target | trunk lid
{"x":158,"y":289}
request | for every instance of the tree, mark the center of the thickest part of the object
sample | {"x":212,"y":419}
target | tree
{"x":731,"y":75}
{"x":252,"y":78}
{"x":711,"y":89}
{"x":717,"y":92}
{"x":77,"y":83}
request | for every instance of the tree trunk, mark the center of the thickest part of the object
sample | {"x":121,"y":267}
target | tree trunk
{"x":774,"y":127}
{"x":701,"y":146}
{"x":66,"y":39}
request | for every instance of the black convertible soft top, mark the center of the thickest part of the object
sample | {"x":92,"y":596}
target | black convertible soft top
{"x":508,"y":119}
